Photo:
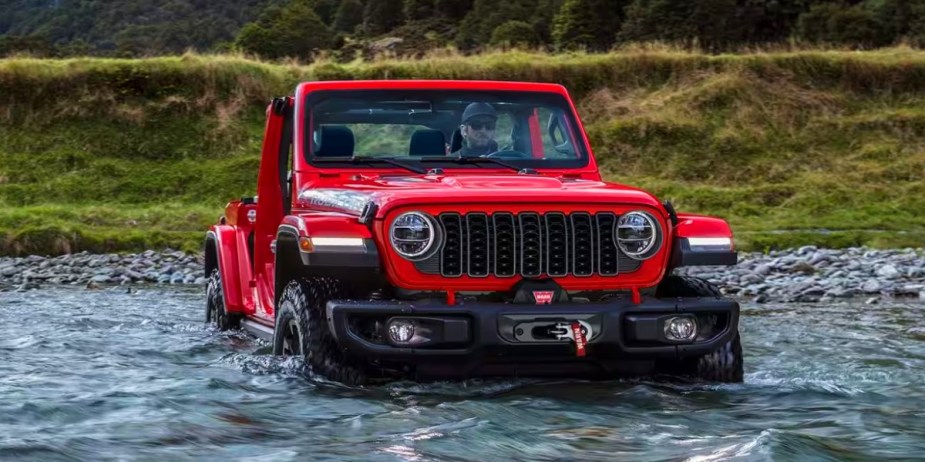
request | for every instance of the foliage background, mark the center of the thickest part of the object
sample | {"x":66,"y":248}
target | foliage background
{"x":820,"y":147}
{"x":306,"y":29}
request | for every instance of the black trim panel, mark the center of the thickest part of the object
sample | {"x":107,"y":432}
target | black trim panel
{"x":682,"y":255}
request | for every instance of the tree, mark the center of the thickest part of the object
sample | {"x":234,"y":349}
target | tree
{"x":486,"y":15}
{"x":585,"y":24}
{"x":514,"y":34}
{"x":835,"y":23}
{"x":714,"y":24}
{"x":417,"y":10}
{"x":453,"y":10}
{"x":349,"y":15}
{"x":381,"y":16}
{"x":327,"y":10}
{"x":291,"y":31}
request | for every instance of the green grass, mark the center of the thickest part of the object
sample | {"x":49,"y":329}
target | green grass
{"x":793,"y":148}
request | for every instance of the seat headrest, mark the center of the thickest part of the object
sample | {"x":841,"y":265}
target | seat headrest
{"x":456,"y":140}
{"x":427,"y":142}
{"x":335,"y":141}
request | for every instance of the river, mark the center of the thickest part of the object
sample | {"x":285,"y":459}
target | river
{"x":113,"y":375}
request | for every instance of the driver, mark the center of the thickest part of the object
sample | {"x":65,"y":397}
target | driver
{"x":478,"y":131}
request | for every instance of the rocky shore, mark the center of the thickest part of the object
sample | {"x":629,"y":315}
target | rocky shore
{"x":93,"y":270}
{"x":806,"y":274}
{"x":810,"y":274}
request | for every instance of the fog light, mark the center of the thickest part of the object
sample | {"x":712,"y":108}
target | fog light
{"x":680,"y":328}
{"x":401,"y":330}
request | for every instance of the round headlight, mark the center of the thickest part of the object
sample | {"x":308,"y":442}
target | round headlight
{"x":413,"y":235}
{"x":637,"y":235}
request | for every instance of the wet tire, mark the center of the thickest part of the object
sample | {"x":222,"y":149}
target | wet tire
{"x":301,"y":329}
{"x":724,"y":365}
{"x":215,"y":305}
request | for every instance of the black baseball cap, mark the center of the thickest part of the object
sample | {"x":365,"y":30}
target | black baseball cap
{"x":479,"y":109}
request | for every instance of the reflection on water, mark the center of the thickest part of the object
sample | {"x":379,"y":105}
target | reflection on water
{"x":90,"y":375}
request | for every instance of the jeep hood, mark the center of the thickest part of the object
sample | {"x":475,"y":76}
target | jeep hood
{"x":352,"y":195}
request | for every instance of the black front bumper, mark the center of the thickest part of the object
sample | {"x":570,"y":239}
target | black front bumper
{"x":483,"y":339}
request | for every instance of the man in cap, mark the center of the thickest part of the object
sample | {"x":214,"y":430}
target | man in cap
{"x":478,"y":130}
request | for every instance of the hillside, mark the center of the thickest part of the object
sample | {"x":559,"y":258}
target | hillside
{"x":794,"y":148}
{"x":305,"y":29}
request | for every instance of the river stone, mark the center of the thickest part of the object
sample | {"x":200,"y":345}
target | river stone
{"x":802,"y":267}
{"x":841,"y":293}
{"x":9,"y":271}
{"x":888,"y":271}
{"x":818,"y":257}
{"x":763,"y":269}
{"x":100,"y":278}
{"x":871,"y":286}
{"x":813,"y":291}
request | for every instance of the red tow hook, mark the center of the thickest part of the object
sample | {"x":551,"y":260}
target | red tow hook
{"x":580,"y":340}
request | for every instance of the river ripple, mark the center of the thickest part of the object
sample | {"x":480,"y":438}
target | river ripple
{"x":109,"y":375}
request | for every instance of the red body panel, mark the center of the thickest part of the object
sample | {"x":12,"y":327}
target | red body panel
{"x":327,"y":224}
{"x":229,"y":265}
{"x":690,"y":225}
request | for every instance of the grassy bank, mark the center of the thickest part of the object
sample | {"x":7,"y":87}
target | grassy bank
{"x":793,"y":148}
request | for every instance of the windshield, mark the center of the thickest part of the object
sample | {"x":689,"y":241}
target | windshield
{"x":445,"y":129}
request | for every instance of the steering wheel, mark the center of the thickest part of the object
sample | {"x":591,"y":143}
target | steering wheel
{"x":508,"y":154}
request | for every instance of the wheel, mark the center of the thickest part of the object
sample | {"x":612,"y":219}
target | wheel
{"x":723,"y":365}
{"x":301,"y":329}
{"x":215,"y":305}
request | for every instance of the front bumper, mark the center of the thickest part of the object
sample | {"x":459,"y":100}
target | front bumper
{"x":489,"y":338}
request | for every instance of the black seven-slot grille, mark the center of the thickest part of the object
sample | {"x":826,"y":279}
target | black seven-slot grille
{"x":529,"y":244}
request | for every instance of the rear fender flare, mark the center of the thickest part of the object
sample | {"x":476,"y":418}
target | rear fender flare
{"x":221,"y":253}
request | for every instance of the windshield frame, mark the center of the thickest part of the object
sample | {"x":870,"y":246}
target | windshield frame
{"x":555,"y":100}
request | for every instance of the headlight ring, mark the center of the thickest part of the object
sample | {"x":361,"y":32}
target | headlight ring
{"x":415,"y":235}
{"x":638,"y":235}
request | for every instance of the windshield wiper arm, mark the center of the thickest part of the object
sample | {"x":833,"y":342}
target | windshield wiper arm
{"x":369,"y":160}
{"x":473,"y":160}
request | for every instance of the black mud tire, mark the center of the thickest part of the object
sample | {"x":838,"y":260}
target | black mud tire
{"x":216,"y":314}
{"x":686,"y":286}
{"x":724,"y":365}
{"x":302,"y":329}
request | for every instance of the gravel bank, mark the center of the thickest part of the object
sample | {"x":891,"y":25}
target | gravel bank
{"x":810,"y":274}
{"x":806,"y":274}
{"x":94,"y":270}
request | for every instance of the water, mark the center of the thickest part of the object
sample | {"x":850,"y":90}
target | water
{"x":106,"y":375}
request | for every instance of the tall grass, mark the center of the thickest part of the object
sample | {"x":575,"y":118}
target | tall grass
{"x":793,"y":147}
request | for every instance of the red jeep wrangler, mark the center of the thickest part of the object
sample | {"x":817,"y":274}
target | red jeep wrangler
{"x":449,"y":229}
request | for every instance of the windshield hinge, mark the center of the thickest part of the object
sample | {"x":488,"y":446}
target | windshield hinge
{"x":435,"y":171}
{"x":527,"y":171}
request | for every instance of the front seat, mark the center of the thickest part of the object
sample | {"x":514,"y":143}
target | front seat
{"x":427,"y":142}
{"x":335,"y":141}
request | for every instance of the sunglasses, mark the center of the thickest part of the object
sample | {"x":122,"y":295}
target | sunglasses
{"x":482,"y":125}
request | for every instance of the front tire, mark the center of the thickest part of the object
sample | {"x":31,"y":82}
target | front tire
{"x":725,"y":365}
{"x":301,"y":329}
{"x":216,"y":314}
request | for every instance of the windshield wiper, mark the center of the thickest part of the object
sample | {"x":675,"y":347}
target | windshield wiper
{"x":472,"y":160}
{"x":370,"y":160}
